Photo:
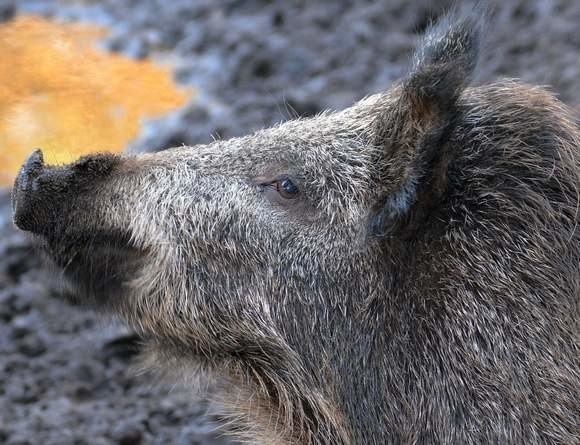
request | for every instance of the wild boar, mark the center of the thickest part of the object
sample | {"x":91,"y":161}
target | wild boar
{"x":403,"y":271}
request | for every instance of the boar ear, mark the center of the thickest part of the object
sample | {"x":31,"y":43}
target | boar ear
{"x":445,"y":61}
{"x":413,"y":132}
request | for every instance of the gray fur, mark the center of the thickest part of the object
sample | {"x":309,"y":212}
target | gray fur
{"x":423,"y":288}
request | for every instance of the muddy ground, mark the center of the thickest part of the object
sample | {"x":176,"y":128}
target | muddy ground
{"x":64,"y":373}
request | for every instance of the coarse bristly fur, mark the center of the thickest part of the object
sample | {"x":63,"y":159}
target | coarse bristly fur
{"x":422,"y":285}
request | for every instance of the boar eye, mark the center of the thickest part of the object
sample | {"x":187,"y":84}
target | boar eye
{"x":286,"y":188}
{"x":281,"y":190}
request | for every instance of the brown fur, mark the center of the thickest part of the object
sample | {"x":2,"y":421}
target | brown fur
{"x":422,"y":286}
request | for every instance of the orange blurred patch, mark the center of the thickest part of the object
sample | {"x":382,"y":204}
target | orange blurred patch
{"x":60,"y":93}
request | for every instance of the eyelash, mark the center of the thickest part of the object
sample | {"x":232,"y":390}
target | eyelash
{"x":284,"y":187}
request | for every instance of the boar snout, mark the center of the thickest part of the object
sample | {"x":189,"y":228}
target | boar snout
{"x":66,"y":206}
{"x":41,"y":191}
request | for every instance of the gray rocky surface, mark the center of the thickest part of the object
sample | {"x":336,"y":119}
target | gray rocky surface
{"x":64,"y":373}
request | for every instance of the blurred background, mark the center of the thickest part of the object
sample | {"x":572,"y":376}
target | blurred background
{"x":78,"y":76}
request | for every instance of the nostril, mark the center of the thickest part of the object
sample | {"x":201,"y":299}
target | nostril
{"x":32,"y":167}
{"x":42,"y":193}
{"x":24,"y":188}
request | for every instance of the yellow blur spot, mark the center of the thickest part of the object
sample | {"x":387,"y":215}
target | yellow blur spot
{"x":60,"y":93}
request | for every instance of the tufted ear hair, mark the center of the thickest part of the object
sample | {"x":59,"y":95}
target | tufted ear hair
{"x":445,"y":60}
{"x":414,"y":130}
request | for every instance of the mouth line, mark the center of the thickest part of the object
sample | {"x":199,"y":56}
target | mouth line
{"x":98,"y":265}
{"x":66,"y":243}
